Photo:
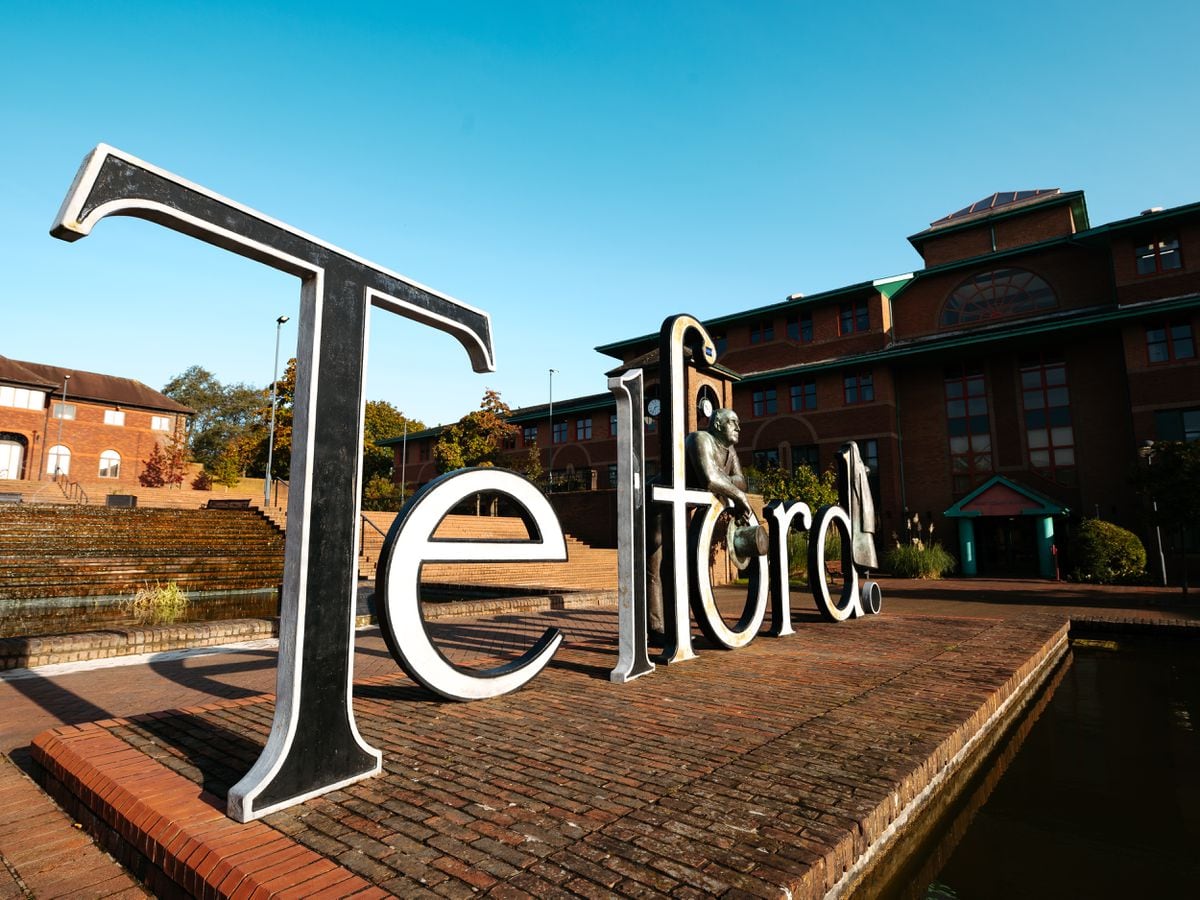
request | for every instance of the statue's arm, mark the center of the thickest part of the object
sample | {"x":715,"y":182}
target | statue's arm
{"x":729,"y":486}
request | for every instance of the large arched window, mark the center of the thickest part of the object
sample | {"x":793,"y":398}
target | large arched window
{"x":58,"y":460}
{"x":996,"y":295}
{"x":110,"y":464}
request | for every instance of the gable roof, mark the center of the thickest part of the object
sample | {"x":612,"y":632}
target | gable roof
{"x":1000,"y":496}
{"x":93,"y":386}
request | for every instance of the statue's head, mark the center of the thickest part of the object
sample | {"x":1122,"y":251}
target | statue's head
{"x":725,"y":426}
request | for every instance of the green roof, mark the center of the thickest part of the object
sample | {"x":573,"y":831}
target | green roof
{"x":956,"y":340}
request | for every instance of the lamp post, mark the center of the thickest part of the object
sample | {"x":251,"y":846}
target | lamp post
{"x":1146,"y":451}
{"x":550,"y":452}
{"x":274,"y":393}
{"x":62,"y":414}
{"x":403,"y":461}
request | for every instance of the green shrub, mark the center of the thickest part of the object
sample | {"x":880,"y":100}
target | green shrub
{"x":1106,"y":553}
{"x":161,"y":604}
{"x":797,"y":542}
{"x":918,"y":561}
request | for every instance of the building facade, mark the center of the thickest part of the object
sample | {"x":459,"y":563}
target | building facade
{"x":1001,"y":392}
{"x":82,"y":426}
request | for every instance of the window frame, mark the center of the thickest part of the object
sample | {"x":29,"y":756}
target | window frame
{"x":107,"y":456}
{"x":802,"y":395}
{"x":958,"y":382}
{"x":65,"y":411}
{"x":799,"y":327}
{"x":861,"y":382}
{"x":1059,"y":473}
{"x":583,"y":428}
{"x":765,"y":402}
{"x":1167,"y":241}
{"x":854,"y":317}
{"x":558,"y":432}
{"x":762,"y":331}
{"x":114,"y":417}
{"x":1168,"y":329}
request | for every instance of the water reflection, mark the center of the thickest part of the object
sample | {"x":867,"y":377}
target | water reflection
{"x":72,"y":615}
{"x":1096,"y":795}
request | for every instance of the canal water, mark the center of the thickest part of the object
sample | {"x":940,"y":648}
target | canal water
{"x":1096,"y":793}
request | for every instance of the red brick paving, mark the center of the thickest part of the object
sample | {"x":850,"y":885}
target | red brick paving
{"x":583,"y":821}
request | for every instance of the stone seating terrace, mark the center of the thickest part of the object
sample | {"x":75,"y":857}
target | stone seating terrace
{"x":79,"y":551}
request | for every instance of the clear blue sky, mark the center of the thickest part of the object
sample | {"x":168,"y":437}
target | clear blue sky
{"x":579,"y":170}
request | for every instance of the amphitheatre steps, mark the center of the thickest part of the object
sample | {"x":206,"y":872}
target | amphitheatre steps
{"x":586,"y":568}
{"x":78,"y":551}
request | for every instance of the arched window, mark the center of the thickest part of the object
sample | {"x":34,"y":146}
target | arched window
{"x":996,"y":295}
{"x":110,"y":464}
{"x":58,"y":460}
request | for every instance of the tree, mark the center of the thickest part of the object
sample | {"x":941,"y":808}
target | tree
{"x":154,"y":468}
{"x":802,"y":484}
{"x":223,"y":413}
{"x":381,"y":421}
{"x":477,"y":438}
{"x":1172,"y":480}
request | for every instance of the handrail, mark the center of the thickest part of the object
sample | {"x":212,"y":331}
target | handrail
{"x":378,"y":530}
{"x":275,"y":482}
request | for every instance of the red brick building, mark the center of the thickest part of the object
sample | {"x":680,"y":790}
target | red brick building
{"x":1001,"y":392}
{"x":101,"y":431}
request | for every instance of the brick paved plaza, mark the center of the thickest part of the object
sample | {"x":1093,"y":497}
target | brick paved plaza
{"x":767,"y":770}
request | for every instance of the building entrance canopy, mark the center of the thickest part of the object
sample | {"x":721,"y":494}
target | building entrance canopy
{"x":1001,"y":497}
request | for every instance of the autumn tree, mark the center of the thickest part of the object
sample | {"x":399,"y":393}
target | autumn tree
{"x":476,"y":439}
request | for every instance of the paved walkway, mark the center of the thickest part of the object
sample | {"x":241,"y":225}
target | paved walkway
{"x":45,"y":855}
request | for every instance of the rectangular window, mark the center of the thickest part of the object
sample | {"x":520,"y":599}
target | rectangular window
{"x":799,"y":327}
{"x":766,"y":459}
{"x":612,"y":425}
{"x":969,"y":427}
{"x":869,"y":451}
{"x":721,"y":340}
{"x":509,"y":441}
{"x":558,"y":432}
{"x":612,"y":475}
{"x":583,"y":429}
{"x":804,"y":395}
{"x":114,"y":417}
{"x":765,"y":403}
{"x":424,"y":450}
{"x":1158,"y":255}
{"x":1177,"y":425}
{"x":853,"y":317}
{"x":22,"y":398}
{"x":1167,"y":341}
{"x":807,"y":455}
{"x":762,"y":331}
{"x":859,"y":387}
{"x":529,"y":435}
{"x":160,"y":423}
{"x":63,"y":410}
{"x":1046,"y":400}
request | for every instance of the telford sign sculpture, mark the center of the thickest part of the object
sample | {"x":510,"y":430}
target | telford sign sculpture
{"x":314,"y":745}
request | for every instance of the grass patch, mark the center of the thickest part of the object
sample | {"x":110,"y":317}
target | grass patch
{"x":157,"y":604}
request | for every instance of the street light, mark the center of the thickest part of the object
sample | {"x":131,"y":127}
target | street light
{"x":550,"y":452}
{"x":403,"y":461}
{"x":274,"y":393}
{"x":1146,"y":452}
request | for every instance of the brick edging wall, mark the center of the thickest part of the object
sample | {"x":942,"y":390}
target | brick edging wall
{"x":27,"y":652}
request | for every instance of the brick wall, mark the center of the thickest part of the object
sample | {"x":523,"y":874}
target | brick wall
{"x":86,"y":436}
